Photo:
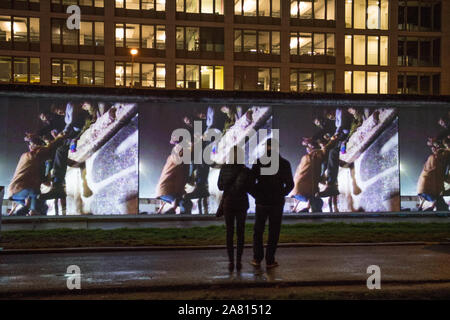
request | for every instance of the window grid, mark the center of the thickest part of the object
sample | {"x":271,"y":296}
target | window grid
{"x":352,"y":84}
{"x":366,"y":51}
{"x":13,"y":73}
{"x":241,"y":11}
{"x":123,"y":26}
{"x":156,"y":82}
{"x":298,"y":35}
{"x":271,"y":45}
{"x":327,"y":74}
{"x":352,"y":16}
{"x":326,"y":16}
{"x":184,"y":81}
{"x":62,"y":62}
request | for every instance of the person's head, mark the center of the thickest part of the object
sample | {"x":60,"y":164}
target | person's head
{"x":318,"y":121}
{"x":311,"y":146}
{"x":58,"y":108}
{"x":444,"y":122}
{"x":199,"y":113}
{"x":188,"y":121}
{"x":34,"y":142}
{"x":330,"y":114}
{"x":352,"y":110}
{"x":87,"y":106}
{"x":45,"y":116}
{"x":225,"y":109}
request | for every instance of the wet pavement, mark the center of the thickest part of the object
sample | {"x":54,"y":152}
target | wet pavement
{"x":163,"y":270}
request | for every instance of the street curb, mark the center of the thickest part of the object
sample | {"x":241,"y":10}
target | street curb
{"x":212,"y":247}
{"x":212,"y":217}
{"x":206,"y":286}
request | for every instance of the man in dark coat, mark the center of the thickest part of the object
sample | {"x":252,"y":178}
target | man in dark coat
{"x":269,"y":192}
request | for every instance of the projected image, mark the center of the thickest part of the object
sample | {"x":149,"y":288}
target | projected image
{"x":344,"y":159}
{"x":425,"y":158}
{"x":170,"y":187}
{"x":69,"y":156}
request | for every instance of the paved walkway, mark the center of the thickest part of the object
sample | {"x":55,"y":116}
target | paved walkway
{"x":37,"y":274}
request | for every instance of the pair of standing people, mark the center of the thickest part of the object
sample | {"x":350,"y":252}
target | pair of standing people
{"x":269,"y":191}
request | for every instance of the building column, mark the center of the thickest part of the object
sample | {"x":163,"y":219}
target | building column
{"x":171,"y":76}
{"x":228,"y":63}
{"x":285,"y":73}
{"x":445,"y":48}
{"x":45,"y":43}
{"x":393,"y":47}
{"x":109,"y":38}
{"x":339,"y":83}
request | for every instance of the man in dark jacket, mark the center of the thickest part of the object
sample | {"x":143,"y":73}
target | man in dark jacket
{"x":269,"y":192}
{"x":76,"y":121}
{"x":343,"y":121}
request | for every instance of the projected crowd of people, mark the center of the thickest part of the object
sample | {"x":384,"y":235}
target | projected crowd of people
{"x":435,"y":173}
{"x":45,"y":163}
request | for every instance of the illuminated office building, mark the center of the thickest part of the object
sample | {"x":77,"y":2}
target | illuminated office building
{"x":341,"y":46}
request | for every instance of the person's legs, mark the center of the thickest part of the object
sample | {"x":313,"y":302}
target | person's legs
{"x":60,"y":163}
{"x":167,"y":198}
{"x":258,"y":231}
{"x":302,"y":198}
{"x":59,"y":173}
{"x":20,"y":196}
{"x":29,"y":194}
{"x":229,"y":223}
{"x":240,"y":234}
{"x":333,"y":165}
{"x":441,"y":205}
{"x":316,"y":204}
{"x":275,"y":217}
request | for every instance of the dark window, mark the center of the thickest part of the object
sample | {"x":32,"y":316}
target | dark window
{"x":422,"y":83}
{"x":422,"y":15}
{"x":419,"y":51}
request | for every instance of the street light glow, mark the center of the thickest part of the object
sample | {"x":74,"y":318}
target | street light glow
{"x":134,"y":52}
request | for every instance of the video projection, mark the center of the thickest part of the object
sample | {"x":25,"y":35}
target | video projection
{"x":425,"y":158}
{"x":343,"y":159}
{"x":186,"y":188}
{"x":121,"y":157}
{"x":69,"y":156}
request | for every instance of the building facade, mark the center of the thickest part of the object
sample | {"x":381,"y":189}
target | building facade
{"x":341,"y":46}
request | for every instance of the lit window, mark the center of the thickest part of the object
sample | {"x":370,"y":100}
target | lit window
{"x":367,"y":14}
{"x":141,"y":75}
{"x":312,"y":44}
{"x":261,"y":8}
{"x":366,"y":50}
{"x":304,"y":80}
{"x":318,"y":9}
{"x":158,"y":5}
{"x":199,"y":77}
{"x":19,"y":31}
{"x":140,"y":36}
{"x":366,"y":82}
{"x":74,"y":72}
